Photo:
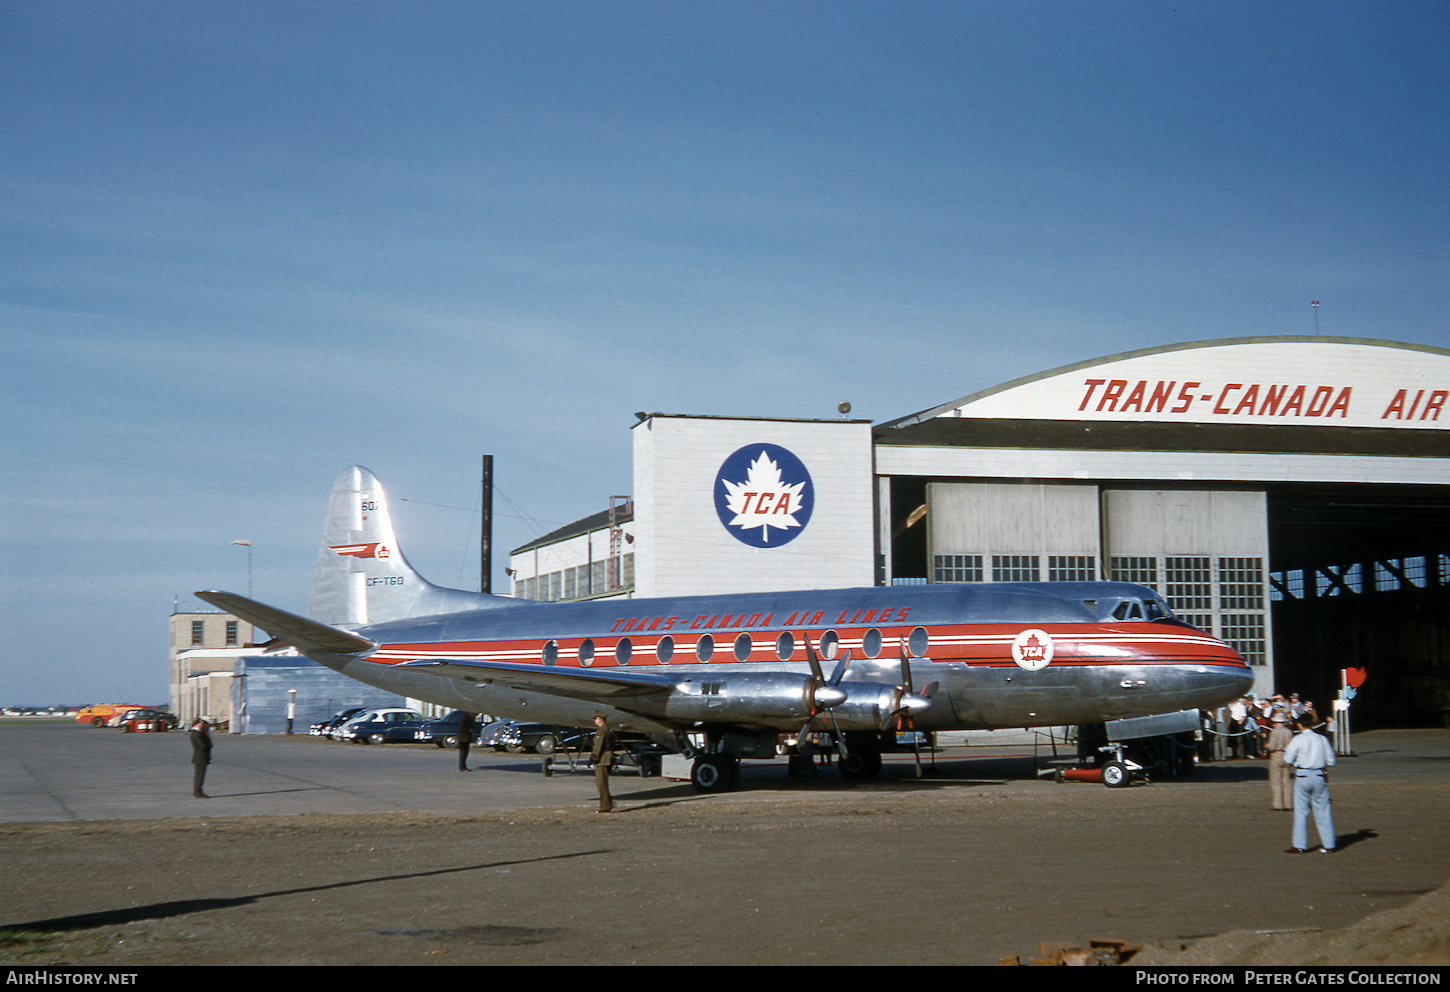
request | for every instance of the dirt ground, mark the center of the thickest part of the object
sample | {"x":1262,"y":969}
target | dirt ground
{"x":896,"y":875}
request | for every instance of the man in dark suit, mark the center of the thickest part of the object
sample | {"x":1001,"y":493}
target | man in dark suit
{"x":200,"y":734}
{"x":466,"y":729}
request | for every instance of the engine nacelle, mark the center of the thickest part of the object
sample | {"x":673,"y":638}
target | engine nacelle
{"x":785,"y":700}
{"x":776,"y":699}
{"x":869,"y":703}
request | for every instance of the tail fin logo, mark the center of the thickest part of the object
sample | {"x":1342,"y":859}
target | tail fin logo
{"x":375,"y":550}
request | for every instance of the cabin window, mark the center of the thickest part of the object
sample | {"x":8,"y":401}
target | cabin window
{"x":917,"y":642}
{"x":586,"y":653}
{"x":830,"y":645}
{"x":665,"y":649}
{"x":705,"y":648}
{"x":623,"y":650}
{"x":550,"y":654}
{"x":871,"y":643}
{"x":785,"y":646}
{"x":743,"y":646}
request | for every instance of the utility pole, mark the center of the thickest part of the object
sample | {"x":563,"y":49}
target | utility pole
{"x":485,"y":530}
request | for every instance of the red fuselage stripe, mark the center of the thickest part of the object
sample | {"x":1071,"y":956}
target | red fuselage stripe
{"x":980,"y":644}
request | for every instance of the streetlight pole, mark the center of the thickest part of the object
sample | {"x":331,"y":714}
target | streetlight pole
{"x":248,"y":546}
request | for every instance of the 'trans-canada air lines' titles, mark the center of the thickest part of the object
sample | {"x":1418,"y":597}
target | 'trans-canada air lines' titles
{"x":1268,"y":401}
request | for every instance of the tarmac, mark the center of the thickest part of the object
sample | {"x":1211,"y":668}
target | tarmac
{"x":315,"y":852}
{"x":56,"y":771}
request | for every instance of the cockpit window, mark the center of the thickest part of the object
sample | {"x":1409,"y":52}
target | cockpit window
{"x":1129,"y":609}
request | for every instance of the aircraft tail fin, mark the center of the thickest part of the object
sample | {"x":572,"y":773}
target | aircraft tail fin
{"x":362,"y":578}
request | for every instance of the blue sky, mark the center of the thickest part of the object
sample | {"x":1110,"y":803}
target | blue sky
{"x":248,"y":244}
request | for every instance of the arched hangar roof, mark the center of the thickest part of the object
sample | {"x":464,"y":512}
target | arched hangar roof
{"x":1290,"y":394}
{"x":1334,"y":381}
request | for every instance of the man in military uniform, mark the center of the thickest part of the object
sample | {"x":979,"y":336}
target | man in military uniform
{"x":603,"y":758}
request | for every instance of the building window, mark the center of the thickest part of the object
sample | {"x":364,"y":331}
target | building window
{"x":231,"y":633}
{"x":1071,"y":568}
{"x":1244,"y":632}
{"x":956,"y":568}
{"x":1188,"y":584}
{"x":1241,"y":583}
{"x":1016,"y":568}
{"x":1143,"y":571}
{"x":198,"y":632}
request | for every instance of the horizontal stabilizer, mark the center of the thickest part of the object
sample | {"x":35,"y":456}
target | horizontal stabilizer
{"x":303,"y":634}
{"x":576,"y":683}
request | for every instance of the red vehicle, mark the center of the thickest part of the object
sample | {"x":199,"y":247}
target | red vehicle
{"x":102,"y":713}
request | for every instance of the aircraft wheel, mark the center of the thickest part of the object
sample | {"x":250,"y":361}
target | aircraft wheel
{"x":861,"y":765}
{"x":711,"y":773}
{"x":1115,"y":775}
{"x":545,"y":745}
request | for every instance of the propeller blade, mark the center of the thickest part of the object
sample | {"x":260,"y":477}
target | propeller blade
{"x":811,"y":657}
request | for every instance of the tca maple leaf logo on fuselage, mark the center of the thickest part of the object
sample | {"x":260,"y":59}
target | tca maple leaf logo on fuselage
{"x":764,"y":495}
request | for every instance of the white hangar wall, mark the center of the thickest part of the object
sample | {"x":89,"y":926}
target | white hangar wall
{"x":738,"y":505}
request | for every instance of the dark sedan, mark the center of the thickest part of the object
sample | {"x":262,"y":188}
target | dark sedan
{"x":541,"y":738}
{"x":326,"y":727}
{"x":384,"y":727}
{"x":444,"y":732}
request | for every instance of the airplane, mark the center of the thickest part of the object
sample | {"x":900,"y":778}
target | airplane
{"x":724,"y":676}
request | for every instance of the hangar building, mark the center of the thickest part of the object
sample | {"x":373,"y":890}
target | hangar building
{"x":1289,"y":494}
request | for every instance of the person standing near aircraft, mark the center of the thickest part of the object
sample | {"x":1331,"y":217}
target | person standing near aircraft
{"x":200,"y":735}
{"x":466,"y":727}
{"x":1311,"y":757}
{"x":603,"y":758}
{"x":1280,"y":778}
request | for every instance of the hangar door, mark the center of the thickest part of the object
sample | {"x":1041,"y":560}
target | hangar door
{"x":1205,"y":551}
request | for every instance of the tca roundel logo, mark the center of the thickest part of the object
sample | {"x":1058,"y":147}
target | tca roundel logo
{"x":764,"y":495}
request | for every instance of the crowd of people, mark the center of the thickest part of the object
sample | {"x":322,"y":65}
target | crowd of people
{"x":1241,"y":729}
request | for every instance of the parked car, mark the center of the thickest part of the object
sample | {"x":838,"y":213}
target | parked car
{"x":383,"y":726}
{"x":540,"y":738}
{"x":142,"y":721}
{"x":444,"y":732}
{"x":325,"y":728}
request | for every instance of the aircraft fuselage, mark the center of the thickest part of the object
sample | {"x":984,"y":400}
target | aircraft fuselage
{"x":1001,"y":655}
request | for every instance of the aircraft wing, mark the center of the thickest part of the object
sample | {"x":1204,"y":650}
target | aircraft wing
{"x":576,"y":683}
{"x":303,"y":634}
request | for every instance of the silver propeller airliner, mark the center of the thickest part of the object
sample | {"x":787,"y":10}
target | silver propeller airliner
{"x":724,"y":676}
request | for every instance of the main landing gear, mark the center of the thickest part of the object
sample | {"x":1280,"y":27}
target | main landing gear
{"x":715,"y":773}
